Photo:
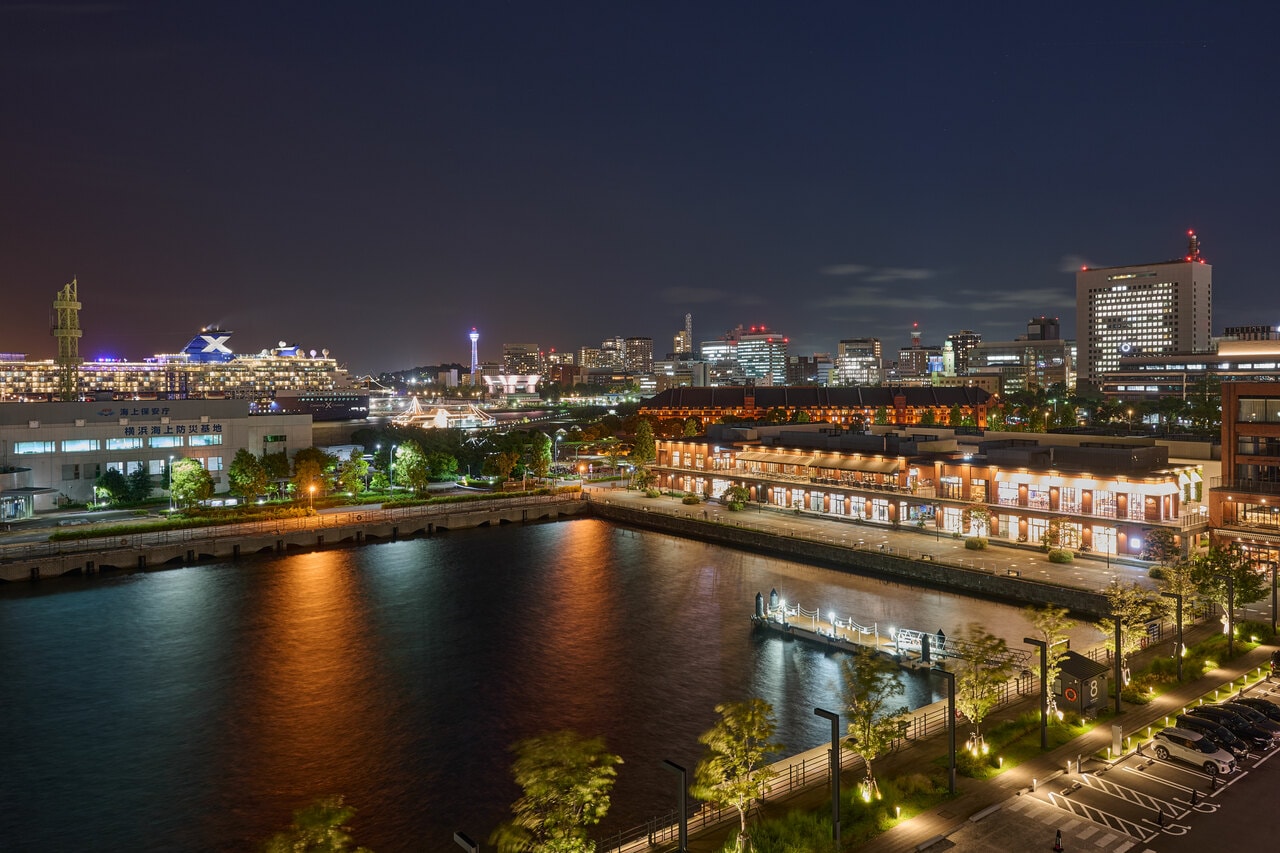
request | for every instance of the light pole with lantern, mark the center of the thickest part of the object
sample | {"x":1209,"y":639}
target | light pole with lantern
{"x":170,"y":471}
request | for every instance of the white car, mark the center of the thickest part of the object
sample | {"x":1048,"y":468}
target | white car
{"x":1193,"y":748}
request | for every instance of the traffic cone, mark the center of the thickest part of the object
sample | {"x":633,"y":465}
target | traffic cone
{"x":1057,"y":842}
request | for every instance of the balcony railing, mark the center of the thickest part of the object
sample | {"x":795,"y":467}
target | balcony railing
{"x":1256,"y":487}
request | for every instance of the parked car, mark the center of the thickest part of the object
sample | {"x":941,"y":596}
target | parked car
{"x":1254,"y":716}
{"x":1266,"y":706}
{"x":1219,"y":734}
{"x":1194,"y":749}
{"x":1239,"y":726}
{"x":1275,"y":663}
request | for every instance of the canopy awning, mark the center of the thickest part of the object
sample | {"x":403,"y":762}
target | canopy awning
{"x":865,"y":465}
{"x":776,"y":458}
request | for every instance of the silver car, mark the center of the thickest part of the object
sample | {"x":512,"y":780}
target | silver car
{"x":1193,"y":748}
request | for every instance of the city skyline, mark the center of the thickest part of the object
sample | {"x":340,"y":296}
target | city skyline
{"x":379,"y":185}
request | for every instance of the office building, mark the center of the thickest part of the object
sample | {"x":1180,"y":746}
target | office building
{"x":637,"y":355}
{"x":1244,"y":503}
{"x":1148,"y":310}
{"x":521,"y":359}
{"x":858,"y":361}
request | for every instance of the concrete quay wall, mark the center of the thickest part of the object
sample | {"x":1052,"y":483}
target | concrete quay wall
{"x":860,"y":560}
{"x":354,"y":526}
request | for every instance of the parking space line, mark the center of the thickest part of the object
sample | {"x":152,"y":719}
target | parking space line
{"x":1097,"y":815}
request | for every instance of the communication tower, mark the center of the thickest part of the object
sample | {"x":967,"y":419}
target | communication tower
{"x":66,"y":328}
{"x":475,"y":358}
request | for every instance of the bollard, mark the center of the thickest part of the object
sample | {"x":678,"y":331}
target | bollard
{"x":1195,"y":796}
{"x":1159,"y":816}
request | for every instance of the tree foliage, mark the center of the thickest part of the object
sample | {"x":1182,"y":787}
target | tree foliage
{"x":114,"y":486}
{"x":140,"y":485}
{"x":1161,"y":547}
{"x":247,"y":475}
{"x":352,"y":473}
{"x":318,"y":828}
{"x":735,"y":498}
{"x":987,"y":666}
{"x":1134,"y":607}
{"x":643,"y":450}
{"x":1051,"y":624}
{"x":734,"y":772}
{"x":190,"y":483}
{"x":871,"y":685}
{"x":411,"y":467}
{"x":1212,"y":569}
{"x":565,"y":781}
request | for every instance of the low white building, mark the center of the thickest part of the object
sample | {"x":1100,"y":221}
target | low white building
{"x":52,"y":453}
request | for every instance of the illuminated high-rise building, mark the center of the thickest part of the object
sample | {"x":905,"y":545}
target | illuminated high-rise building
{"x":1153,"y":309}
{"x":637,"y":355}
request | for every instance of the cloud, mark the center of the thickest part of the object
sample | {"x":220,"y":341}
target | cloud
{"x":844,"y":269}
{"x":696,"y":295}
{"x":1023,"y":299}
{"x":1073,"y":263}
{"x":878,"y":274}
{"x":877,"y":297}
{"x":901,"y":274}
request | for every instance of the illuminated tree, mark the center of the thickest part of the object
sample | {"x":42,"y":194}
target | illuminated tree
{"x":140,"y":485}
{"x":565,"y":781}
{"x":1161,"y":547}
{"x":987,"y":665}
{"x":189,"y":482}
{"x":114,"y":485}
{"x":411,"y":468}
{"x":318,"y":828}
{"x":1212,"y":569}
{"x":692,"y":427}
{"x":540,"y":454}
{"x":734,"y":772}
{"x":1134,"y":607}
{"x":247,"y":475}
{"x":871,"y":684}
{"x":1051,"y":625}
{"x":352,"y":472}
{"x":642,"y":450}
{"x":735,"y":498}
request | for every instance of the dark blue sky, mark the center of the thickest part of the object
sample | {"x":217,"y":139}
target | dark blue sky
{"x":376,"y":181}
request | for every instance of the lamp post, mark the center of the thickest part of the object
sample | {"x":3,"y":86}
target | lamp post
{"x":835,"y":770}
{"x":391,"y":470}
{"x":311,"y":500}
{"x":951,"y":727}
{"x":1117,"y":667}
{"x":1177,"y":652}
{"x":1231,"y":616}
{"x":684,"y":807}
{"x":170,"y":490}
{"x":1044,"y":686}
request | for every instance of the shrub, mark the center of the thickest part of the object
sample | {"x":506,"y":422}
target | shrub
{"x":1061,"y":555}
{"x":691,"y":500}
{"x":975,"y":543}
{"x":1156,"y":573}
{"x":652,"y":493}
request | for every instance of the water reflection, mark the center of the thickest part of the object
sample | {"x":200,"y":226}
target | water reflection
{"x":202,"y":705}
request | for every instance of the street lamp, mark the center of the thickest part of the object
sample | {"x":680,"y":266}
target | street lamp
{"x":311,"y":501}
{"x":835,"y":770}
{"x":170,"y":490}
{"x":1177,"y":652}
{"x":391,"y":470}
{"x":1044,"y":686}
{"x":951,"y":726}
{"x":684,"y":807}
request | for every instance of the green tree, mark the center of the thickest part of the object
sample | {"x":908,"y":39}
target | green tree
{"x":800,"y":416}
{"x":736,"y":498}
{"x":247,"y":475}
{"x":693,"y":427}
{"x":1179,"y":578}
{"x":565,"y":780}
{"x":140,"y":485}
{"x":412,"y":469}
{"x":976,"y":516}
{"x":1212,"y":569}
{"x":318,"y":828}
{"x":986,"y":666}
{"x":643,"y":450}
{"x":540,"y":454}
{"x":190,"y":482}
{"x":114,"y":485}
{"x":881,"y":416}
{"x":352,"y":473}
{"x":1058,"y":534}
{"x":277,"y":465}
{"x":955,"y":417}
{"x":502,"y":464}
{"x":309,"y":466}
{"x":442,"y":466}
{"x":871,"y":686}
{"x":1134,"y":607}
{"x":734,"y":772}
{"x":1051,"y":625}
{"x":928,"y":418}
{"x":1161,"y":547}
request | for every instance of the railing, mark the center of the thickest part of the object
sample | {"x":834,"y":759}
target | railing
{"x":320,"y":521}
{"x":1257,"y":487}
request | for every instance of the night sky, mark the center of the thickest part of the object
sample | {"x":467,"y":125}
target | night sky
{"x":376,"y":179}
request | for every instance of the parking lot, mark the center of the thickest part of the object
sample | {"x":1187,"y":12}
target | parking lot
{"x":1138,"y":804}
